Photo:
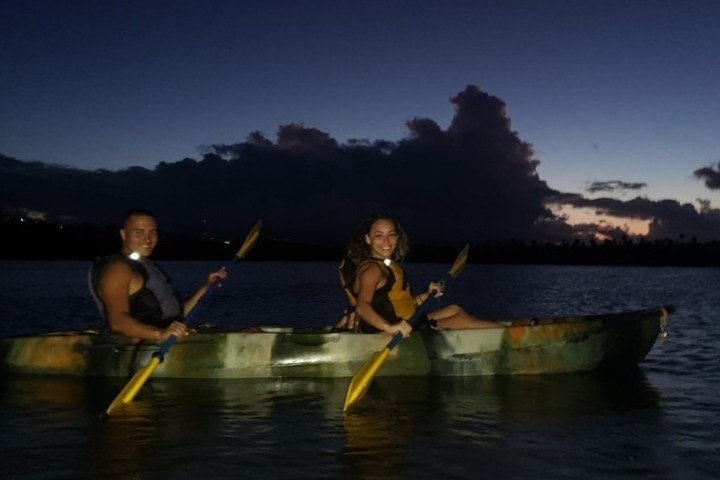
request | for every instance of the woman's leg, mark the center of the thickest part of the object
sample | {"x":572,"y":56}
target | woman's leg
{"x":453,"y":317}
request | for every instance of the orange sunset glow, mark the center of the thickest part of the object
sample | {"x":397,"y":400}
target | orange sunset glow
{"x":589,"y":216}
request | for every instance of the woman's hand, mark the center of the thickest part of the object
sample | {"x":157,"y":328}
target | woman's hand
{"x":403,"y":327}
{"x":433,"y":287}
{"x":436,"y":287}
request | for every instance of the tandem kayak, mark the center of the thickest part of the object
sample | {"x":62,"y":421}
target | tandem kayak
{"x":542,"y":346}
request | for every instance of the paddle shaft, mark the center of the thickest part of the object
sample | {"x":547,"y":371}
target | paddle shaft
{"x":422,"y":309}
{"x":247,"y":245}
{"x":362,"y":378}
{"x":165,"y":347}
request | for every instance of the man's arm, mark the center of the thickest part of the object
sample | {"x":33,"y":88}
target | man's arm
{"x":191,"y":302}
{"x":116,"y":283}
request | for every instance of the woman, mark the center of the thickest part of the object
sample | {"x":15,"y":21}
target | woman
{"x":378,"y":284}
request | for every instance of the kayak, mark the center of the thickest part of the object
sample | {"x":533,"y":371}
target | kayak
{"x":545,"y":345}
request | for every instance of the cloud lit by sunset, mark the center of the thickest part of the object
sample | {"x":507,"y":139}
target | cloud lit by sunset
{"x":599,"y":224}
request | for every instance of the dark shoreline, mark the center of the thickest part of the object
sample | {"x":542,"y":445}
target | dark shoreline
{"x":35,"y":240}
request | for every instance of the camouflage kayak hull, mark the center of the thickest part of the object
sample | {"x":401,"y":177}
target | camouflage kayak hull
{"x":551,"y":345}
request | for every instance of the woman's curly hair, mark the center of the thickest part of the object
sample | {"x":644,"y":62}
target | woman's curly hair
{"x":358,"y":249}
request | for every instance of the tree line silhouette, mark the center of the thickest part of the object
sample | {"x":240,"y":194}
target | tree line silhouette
{"x":28,"y":239}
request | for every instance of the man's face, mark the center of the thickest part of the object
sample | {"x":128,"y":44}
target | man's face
{"x":139,"y":235}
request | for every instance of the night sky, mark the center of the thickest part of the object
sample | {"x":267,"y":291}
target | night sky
{"x":619,"y":101}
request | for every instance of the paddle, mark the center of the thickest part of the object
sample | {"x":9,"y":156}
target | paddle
{"x":127,"y":394}
{"x":362,"y":378}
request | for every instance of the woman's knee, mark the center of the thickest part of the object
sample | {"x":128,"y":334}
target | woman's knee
{"x":455,"y":310}
{"x":447,"y":312}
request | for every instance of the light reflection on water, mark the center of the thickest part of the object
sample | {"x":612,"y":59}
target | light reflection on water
{"x":659,"y":422}
{"x":407,"y":427}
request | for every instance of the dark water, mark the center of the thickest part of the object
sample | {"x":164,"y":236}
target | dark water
{"x":662,"y":421}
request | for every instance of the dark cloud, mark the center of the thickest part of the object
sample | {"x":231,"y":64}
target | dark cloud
{"x":296,"y":137}
{"x":476,"y":180}
{"x":473,"y":181}
{"x":613,"y":186}
{"x":710,"y":176}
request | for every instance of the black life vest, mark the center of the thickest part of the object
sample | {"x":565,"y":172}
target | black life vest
{"x":156,"y":303}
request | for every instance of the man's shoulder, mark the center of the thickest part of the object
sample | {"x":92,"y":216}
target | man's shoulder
{"x":112,"y":259}
{"x":116,"y":262}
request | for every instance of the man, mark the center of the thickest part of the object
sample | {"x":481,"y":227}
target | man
{"x":133,"y":293}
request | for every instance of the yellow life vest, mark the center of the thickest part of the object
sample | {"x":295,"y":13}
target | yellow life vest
{"x":399,"y":294}
{"x":394,"y":295}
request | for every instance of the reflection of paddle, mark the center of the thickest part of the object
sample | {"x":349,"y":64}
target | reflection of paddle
{"x":361,"y":381}
{"x":127,"y":394}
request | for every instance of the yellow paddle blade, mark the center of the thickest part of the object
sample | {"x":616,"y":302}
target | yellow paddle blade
{"x":459,"y":262}
{"x":361,"y":381}
{"x":127,"y":394}
{"x":249,"y":240}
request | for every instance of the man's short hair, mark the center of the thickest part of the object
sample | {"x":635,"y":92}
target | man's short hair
{"x":137,"y":212}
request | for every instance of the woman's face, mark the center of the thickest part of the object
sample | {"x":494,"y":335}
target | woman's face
{"x":382,"y":238}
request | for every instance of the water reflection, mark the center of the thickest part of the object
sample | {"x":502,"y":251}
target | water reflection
{"x":498,"y":425}
{"x":565,"y":394}
{"x":274,"y":428}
